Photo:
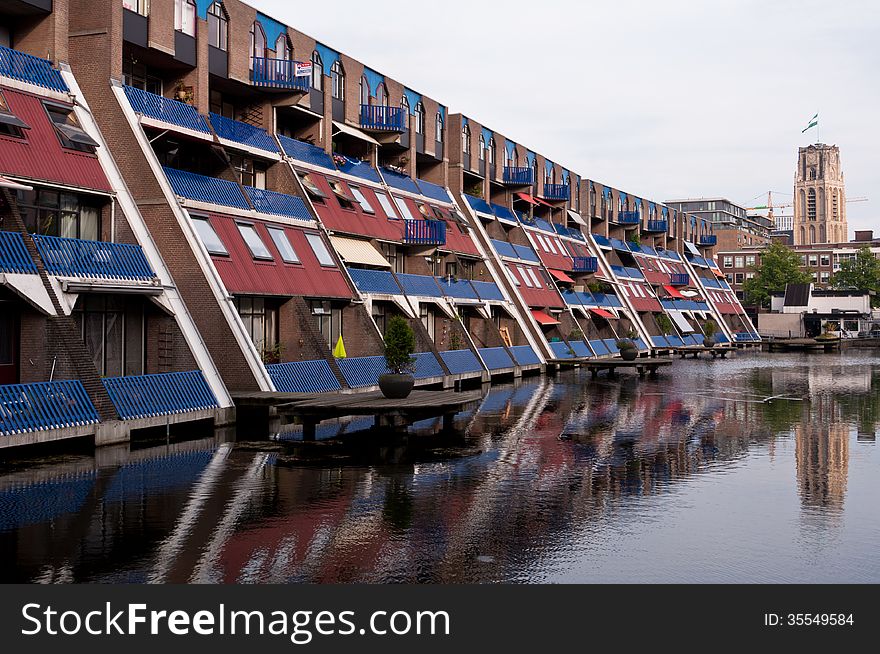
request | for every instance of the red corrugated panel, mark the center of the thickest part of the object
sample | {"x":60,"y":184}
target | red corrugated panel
{"x":354,"y":221}
{"x":456,"y":241}
{"x":241,"y":273}
{"x":641,"y":297}
{"x":559,"y":260}
{"x":39,"y":155}
{"x":536,"y":297}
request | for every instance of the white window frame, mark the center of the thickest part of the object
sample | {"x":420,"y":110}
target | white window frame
{"x":362,"y":199}
{"x":282,"y":242}
{"x":212,"y":234}
{"x":403,"y":208}
{"x":387,"y":206}
{"x":254,"y":242}
{"x":322,"y":253}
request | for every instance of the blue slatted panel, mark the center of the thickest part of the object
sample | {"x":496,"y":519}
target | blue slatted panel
{"x":504,"y":249}
{"x":374,"y":281}
{"x":461,"y":361}
{"x":206,"y":189}
{"x":14,"y":257}
{"x":488,"y":291}
{"x":165,"y":394}
{"x":278,"y":204}
{"x":561,"y":350}
{"x":153,"y":477}
{"x":27,"y":68}
{"x":526,"y":253}
{"x":503,"y":213}
{"x":674,"y":341}
{"x":363,"y":371}
{"x":611,"y":344}
{"x":306,"y":152}
{"x":525,"y":355}
{"x":599,"y":347}
{"x":496,"y":358}
{"x":72,"y":257}
{"x":479,"y":204}
{"x":433,"y":191}
{"x":239,"y":132}
{"x":581,"y":349}
{"x":641,"y":344}
{"x":45,"y":405}
{"x":167,"y":110}
{"x":461,"y":289}
{"x":698,"y":339}
{"x":427,"y":366}
{"x":303,"y":377}
{"x":572,"y":298}
{"x":544,"y":226}
{"x":422,"y":285}
{"x":721,"y":338}
{"x":601,"y":241}
{"x":44,"y":501}
{"x":399,"y":181}
{"x":360,"y":169}
{"x":659,"y":341}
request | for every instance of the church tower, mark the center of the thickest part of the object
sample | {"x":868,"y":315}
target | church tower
{"x":819,"y":196}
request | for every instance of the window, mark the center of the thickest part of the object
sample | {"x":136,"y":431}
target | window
{"x":258,"y":43}
{"x":317,"y":72}
{"x":404,"y":209}
{"x":482,"y":148}
{"x":253,"y":241}
{"x":420,"y":118}
{"x":10,"y":124}
{"x":261,"y":322}
{"x":382,"y":95}
{"x":54,"y":213}
{"x":346,"y":201}
{"x":282,"y":47}
{"x":365,"y":91}
{"x":379,"y":316}
{"x":738,"y":278}
{"x":337,"y":78}
{"x":218,"y":26}
{"x":451,"y":269}
{"x":438,"y":128}
{"x":466,"y":139}
{"x":535,"y":280}
{"x":362,"y":200}
{"x":113,"y":330}
{"x":312,"y":189}
{"x":825,"y":260}
{"x":492,"y":151}
{"x":136,"y":75}
{"x":814,"y":260}
{"x":428,"y":318}
{"x":513,"y":278}
{"x":750,"y":275}
{"x":389,"y":251}
{"x":282,"y":244}
{"x":209,"y":237}
{"x":728,"y":262}
{"x":386,"y":206}
{"x":740,"y":262}
{"x":750,"y":260}
{"x":525,"y":276}
{"x":825,"y":276}
{"x":320,"y":250}
{"x":329,"y":321}
{"x":803,"y":259}
{"x":404,"y":104}
{"x":67,"y":127}
{"x":185,"y":16}
{"x":250,"y":173}
{"x":467,"y":269}
{"x":811,"y":204}
{"x":141,"y":7}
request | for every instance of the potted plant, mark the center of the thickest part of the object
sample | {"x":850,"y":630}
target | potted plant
{"x":629,"y":351}
{"x":709,"y":331}
{"x":399,"y":344}
{"x":664,"y":323}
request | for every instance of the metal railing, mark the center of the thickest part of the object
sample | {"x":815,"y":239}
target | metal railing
{"x":165,"y":109}
{"x":679,"y":279}
{"x":585,"y":265}
{"x":628,"y":218}
{"x":206,"y":189}
{"x":556,"y":192}
{"x":45,"y":405}
{"x":656,"y":226}
{"x":73,"y":257}
{"x":278,"y":74}
{"x":278,"y":204}
{"x":382,"y":118}
{"x":709,"y":241}
{"x":28,"y":68}
{"x":149,"y":396}
{"x":424,"y":232}
{"x":519,"y":176}
{"x":235,"y":130}
{"x":14,"y":257}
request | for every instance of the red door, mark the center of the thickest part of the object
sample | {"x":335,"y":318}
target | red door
{"x":8,"y":344}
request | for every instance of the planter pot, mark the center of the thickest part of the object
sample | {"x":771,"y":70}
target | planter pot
{"x":629,"y":354}
{"x":396,"y":387}
{"x":709,"y":341}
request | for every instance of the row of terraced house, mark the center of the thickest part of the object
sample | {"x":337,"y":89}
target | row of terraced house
{"x":199,"y":200}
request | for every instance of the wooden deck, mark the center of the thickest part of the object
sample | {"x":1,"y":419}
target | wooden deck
{"x":642,"y":366}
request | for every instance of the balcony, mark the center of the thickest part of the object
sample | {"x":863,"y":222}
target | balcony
{"x":27,"y":68}
{"x":14,"y":257}
{"x":278,"y":74}
{"x":46,"y":405}
{"x":166,"y":110}
{"x":379,"y":118}
{"x":519,"y":176}
{"x":72,"y":257}
{"x":556,"y":192}
{"x":206,"y":189}
{"x":150,"y":396}
{"x":424,"y":232}
{"x":679,"y":279}
{"x":585,"y":265}
{"x":657,"y":226}
{"x":278,"y":204}
{"x":628,"y":218}
{"x":243,"y":133}
{"x":708,"y":241}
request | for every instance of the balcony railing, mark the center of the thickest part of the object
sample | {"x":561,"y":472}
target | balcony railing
{"x":206,"y":189}
{"x":278,"y":204}
{"x":556,"y":192}
{"x":150,"y":396}
{"x":628,"y":218}
{"x":166,"y":110}
{"x":679,"y":279}
{"x":14,"y":257}
{"x":382,"y":119}
{"x":72,"y":257}
{"x":519,"y":176}
{"x":278,"y":74}
{"x":45,"y":405}
{"x":234,"y":130}
{"x":709,"y":241}
{"x":585,"y":265}
{"x":425,"y":232}
{"x":656,"y":226}
{"x":27,"y":68}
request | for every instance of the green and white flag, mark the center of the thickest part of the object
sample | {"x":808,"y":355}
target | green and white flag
{"x":813,"y":122}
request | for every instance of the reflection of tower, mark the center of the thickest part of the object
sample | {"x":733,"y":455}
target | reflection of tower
{"x":819,"y":196}
{"x":822,"y":453}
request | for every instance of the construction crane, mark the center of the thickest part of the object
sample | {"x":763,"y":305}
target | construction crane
{"x":770,"y":206}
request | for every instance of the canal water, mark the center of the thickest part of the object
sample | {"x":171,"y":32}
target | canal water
{"x":762,"y":468}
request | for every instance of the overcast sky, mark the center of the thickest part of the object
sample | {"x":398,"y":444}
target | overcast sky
{"x":699,"y":98}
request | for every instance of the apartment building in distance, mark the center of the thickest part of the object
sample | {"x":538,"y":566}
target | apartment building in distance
{"x":733,"y":225}
{"x":236,"y":200}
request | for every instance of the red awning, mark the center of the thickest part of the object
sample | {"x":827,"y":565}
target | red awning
{"x":561,"y":276}
{"x":603,"y":314}
{"x":674,"y":292}
{"x":543,"y":319}
{"x":527,"y":198}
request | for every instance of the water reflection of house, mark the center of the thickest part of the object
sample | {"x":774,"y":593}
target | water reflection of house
{"x":822,"y":454}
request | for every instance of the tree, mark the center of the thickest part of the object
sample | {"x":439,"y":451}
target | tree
{"x":779,"y":267}
{"x":862,"y":273}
